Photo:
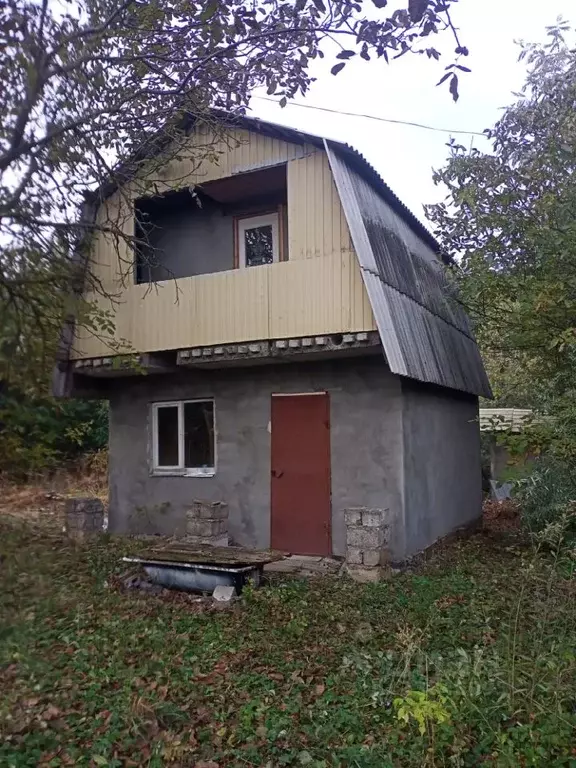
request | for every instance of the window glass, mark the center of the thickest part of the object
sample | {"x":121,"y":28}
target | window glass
{"x":199,"y":435}
{"x":259,"y":245}
{"x":167,"y":436}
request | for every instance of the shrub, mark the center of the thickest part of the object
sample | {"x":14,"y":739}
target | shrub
{"x":41,"y":433}
{"x":547,"y":496}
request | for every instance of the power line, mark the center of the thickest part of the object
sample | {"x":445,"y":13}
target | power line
{"x":372,"y":117}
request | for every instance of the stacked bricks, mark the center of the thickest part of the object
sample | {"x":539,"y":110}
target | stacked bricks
{"x":366,"y":543}
{"x":207,"y":523}
{"x":84,"y":517}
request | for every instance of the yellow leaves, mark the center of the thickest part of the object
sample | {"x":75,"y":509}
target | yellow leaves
{"x":427,"y":708}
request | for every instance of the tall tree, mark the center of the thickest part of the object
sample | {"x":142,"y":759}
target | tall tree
{"x":91,"y":88}
{"x":510,"y":222}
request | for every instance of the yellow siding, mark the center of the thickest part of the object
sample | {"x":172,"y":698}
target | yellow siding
{"x":316,"y":221}
{"x":319,"y":290}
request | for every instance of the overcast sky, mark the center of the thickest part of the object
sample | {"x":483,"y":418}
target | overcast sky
{"x":405,"y":90}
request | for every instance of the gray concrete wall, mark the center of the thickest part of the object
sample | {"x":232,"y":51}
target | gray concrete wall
{"x":193,"y":241}
{"x":366,"y":445}
{"x":442,"y":464}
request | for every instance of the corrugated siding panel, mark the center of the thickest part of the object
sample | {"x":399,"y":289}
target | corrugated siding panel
{"x":425,"y":332}
{"x":319,"y":290}
{"x":306,"y":297}
{"x":316,"y":221}
{"x":293,"y":298}
{"x":209,"y":156}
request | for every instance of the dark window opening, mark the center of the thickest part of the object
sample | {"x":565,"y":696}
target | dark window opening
{"x":167,"y":436}
{"x":199,"y":434}
{"x":184,"y":233}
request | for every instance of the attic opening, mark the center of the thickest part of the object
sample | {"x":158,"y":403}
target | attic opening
{"x":237,"y":222}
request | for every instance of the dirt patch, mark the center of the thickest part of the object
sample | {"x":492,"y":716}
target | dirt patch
{"x":501,"y":516}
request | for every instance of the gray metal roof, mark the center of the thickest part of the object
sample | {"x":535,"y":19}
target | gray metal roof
{"x":425,"y":332}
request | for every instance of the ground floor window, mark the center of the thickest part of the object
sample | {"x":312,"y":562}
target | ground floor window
{"x":183,"y":437}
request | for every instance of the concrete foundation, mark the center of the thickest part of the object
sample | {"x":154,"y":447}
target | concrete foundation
{"x":84,"y":517}
{"x":366,"y":543}
{"x":413,"y":451}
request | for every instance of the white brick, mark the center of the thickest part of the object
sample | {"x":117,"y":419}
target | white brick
{"x":372,"y":518}
{"x":371,"y":557}
{"x":364,"y":538}
{"x":353,"y":516}
{"x":354,"y":556}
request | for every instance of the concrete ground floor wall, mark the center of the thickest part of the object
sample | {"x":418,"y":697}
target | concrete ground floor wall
{"x":442,"y":463}
{"x":412,"y":450}
{"x":365,"y":436}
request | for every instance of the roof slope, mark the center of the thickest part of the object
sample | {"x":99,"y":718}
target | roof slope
{"x":425,"y":332}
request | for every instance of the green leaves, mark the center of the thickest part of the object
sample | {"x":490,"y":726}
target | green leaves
{"x":510,"y":223}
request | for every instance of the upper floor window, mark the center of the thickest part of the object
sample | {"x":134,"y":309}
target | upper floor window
{"x":258,"y":240}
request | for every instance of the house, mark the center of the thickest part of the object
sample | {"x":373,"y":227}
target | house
{"x":300,"y":350}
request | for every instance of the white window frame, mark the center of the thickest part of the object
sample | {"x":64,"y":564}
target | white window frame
{"x":251,"y":222}
{"x":180,"y":469}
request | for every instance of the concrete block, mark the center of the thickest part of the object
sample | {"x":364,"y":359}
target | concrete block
{"x":354,"y":556}
{"x":373,"y":518}
{"x":196,"y":353}
{"x":294,"y":343}
{"x":241,"y":349}
{"x":364,"y":538}
{"x":353,"y":516}
{"x":218,"y":350}
{"x":206,"y":528}
{"x":281,"y":344}
{"x":307,"y":342}
{"x":184,"y":354}
{"x":363,"y":336}
{"x":364,"y":575}
{"x":254,"y":348}
{"x":223,"y":594}
{"x":84,"y":517}
{"x":207,"y":352}
{"x":208,"y":510}
{"x":321,"y":341}
{"x":371,"y":557}
{"x":348,"y":338}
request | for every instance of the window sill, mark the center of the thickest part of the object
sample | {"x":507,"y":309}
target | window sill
{"x":183,"y":473}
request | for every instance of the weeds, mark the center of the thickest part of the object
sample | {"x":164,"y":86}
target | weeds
{"x":469,"y":661}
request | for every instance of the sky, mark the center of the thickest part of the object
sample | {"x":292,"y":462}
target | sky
{"x":406,"y":90}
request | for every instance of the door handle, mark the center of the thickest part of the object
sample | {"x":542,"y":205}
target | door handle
{"x":277,"y":473}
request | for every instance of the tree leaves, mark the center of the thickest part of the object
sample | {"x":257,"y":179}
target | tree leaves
{"x":417,"y":9}
{"x":510,"y":221}
{"x":109,"y":96}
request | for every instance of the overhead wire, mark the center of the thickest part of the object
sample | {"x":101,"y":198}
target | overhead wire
{"x":373,"y":117}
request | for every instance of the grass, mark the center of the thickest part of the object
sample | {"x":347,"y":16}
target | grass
{"x":469,"y":660}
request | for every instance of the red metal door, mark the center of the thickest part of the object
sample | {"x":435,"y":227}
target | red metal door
{"x":300,"y":483}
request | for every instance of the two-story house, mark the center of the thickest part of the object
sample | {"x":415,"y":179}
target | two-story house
{"x":301,"y":352}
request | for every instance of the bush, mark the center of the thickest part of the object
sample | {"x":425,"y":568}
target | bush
{"x":38,"y":434}
{"x":548,"y":496}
